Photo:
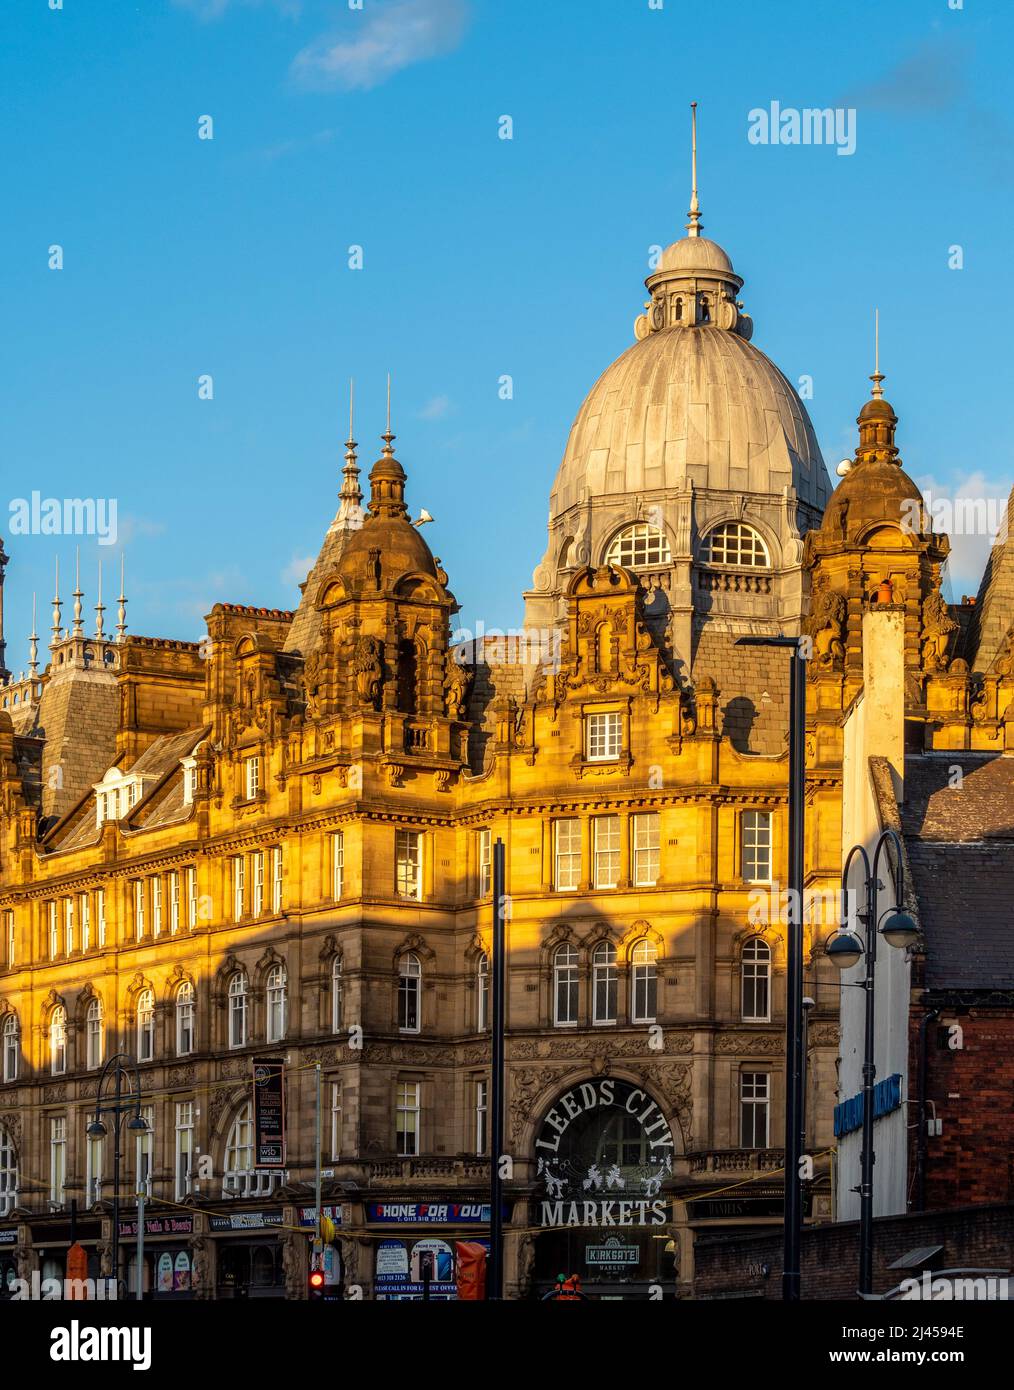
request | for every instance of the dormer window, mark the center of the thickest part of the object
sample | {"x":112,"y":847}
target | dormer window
{"x":116,"y":794}
{"x":189,"y":779}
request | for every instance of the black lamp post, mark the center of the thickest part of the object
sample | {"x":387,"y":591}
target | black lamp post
{"x":794,"y":1056}
{"x":847,"y":949}
{"x":121,"y":1066}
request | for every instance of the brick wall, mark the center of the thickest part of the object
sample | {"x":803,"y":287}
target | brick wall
{"x":972,"y":1237}
{"x":972,"y":1089}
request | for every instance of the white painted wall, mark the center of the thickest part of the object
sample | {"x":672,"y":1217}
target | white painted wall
{"x":875,"y":727}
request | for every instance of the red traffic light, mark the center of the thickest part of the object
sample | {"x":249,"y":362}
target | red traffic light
{"x":316,"y":1282}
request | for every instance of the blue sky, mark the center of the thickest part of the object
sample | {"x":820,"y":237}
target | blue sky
{"x":482,"y":257}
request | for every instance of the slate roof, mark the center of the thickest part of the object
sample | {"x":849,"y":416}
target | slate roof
{"x":960,"y":840}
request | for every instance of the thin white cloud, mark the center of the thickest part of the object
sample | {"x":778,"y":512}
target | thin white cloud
{"x":214,"y":9}
{"x":298,"y":568}
{"x":281,"y":149}
{"x":436,"y":408}
{"x":376,"y":43}
{"x":132,"y":528}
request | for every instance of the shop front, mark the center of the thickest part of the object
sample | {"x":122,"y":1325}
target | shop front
{"x":8,"y":1260}
{"x":603,"y":1211}
{"x":248,"y":1254}
{"x":414,"y":1245}
{"x":167,"y":1259}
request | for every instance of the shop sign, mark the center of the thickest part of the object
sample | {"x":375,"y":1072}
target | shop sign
{"x":848,"y":1116}
{"x":164,"y":1281}
{"x":269,"y":1112}
{"x":160,"y":1226}
{"x":181,"y":1273}
{"x":9,"y":1237}
{"x":612,"y":1252}
{"x":246,"y":1221}
{"x":406,"y":1270}
{"x":585,"y":1188}
{"x":423,"y":1213}
{"x":308,"y":1215}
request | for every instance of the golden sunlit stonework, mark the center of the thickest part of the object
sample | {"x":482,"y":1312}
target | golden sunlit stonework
{"x":277,"y":843}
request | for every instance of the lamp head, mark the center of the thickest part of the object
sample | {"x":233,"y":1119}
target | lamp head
{"x":845,"y":950}
{"x":97,"y":1130}
{"x":137,"y":1125}
{"x":900,"y":930}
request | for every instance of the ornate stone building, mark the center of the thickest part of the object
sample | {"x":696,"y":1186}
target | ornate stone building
{"x":278,"y":842}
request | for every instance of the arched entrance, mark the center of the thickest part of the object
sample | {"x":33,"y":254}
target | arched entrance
{"x":604,"y":1160}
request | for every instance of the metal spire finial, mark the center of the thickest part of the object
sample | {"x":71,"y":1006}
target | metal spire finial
{"x":100,"y":608}
{"x":33,"y":646}
{"x":121,"y":613}
{"x":878,"y":375}
{"x":388,"y":438}
{"x":350,"y":511}
{"x":78,"y":595}
{"x":694,"y":225}
{"x":56,"y":606}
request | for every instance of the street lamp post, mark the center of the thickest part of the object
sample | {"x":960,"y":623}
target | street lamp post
{"x":794,"y":1056}
{"x":846,"y":949}
{"x":121,"y":1066}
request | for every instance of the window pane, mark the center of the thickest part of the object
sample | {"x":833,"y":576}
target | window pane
{"x":607,"y":851}
{"x":568,"y":853}
{"x":647,"y":856}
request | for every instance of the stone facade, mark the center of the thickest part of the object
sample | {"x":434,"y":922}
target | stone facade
{"x":276,"y":843}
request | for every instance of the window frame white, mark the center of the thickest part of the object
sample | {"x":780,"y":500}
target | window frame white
{"x":753,"y":842}
{"x":11,"y":1046}
{"x":183,"y":1149}
{"x":408,"y":864}
{"x":639,"y":546}
{"x":239,"y":1009}
{"x":755,"y":980}
{"x":94,"y":1035}
{"x":568,"y":855}
{"x":484,"y":859}
{"x":337,"y":994}
{"x":252,"y":776}
{"x":603,"y":736}
{"x":257,"y":882}
{"x":57,"y":1159}
{"x":337,"y":865}
{"x":409,"y":993}
{"x":606,"y":857}
{"x":642,"y":823}
{"x":58,"y":1041}
{"x":238,"y":873}
{"x":186,"y":1018}
{"x":144,"y":1018}
{"x":408,"y":1104}
{"x":566,"y":973}
{"x":276,"y":1003}
{"x":605,"y":985}
{"x":644,"y":981}
{"x":754,"y":1100}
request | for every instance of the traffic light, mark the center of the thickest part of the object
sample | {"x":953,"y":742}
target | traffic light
{"x":315,"y":1284}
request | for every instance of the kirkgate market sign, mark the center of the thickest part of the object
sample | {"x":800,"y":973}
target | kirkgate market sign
{"x":584,"y":1150}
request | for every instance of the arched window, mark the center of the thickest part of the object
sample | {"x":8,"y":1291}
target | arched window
{"x":185,"y":1020}
{"x":639,"y":544}
{"x":336,"y":995}
{"x":604,"y":983}
{"x":58,"y":1041}
{"x":93,"y":1035}
{"x":644,"y":982}
{"x":565,"y":985}
{"x":409,"y":993}
{"x":145,"y":1025}
{"x":239,"y":1147}
{"x":8,"y":1173}
{"x":734,"y":543}
{"x":278,"y":1003}
{"x":482,"y":993}
{"x":237,"y":1010}
{"x":756,"y":981}
{"x":12,"y":1047}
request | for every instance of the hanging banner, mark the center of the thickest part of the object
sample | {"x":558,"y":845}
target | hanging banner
{"x":269,"y":1112}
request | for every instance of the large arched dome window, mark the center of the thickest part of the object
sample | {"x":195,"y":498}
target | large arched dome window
{"x":734,"y":543}
{"x":638,"y":545}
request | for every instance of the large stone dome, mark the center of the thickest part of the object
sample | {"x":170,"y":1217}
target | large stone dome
{"x":695,"y":404}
